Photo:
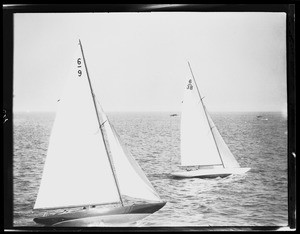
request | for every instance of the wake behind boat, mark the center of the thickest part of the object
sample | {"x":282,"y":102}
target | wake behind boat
{"x":87,"y":166}
{"x":204,"y":153}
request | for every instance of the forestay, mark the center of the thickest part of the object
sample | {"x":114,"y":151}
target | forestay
{"x":77,"y":170}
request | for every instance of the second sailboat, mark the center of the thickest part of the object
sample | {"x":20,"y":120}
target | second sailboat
{"x":204,"y":153}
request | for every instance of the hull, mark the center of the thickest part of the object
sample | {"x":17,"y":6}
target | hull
{"x":101,"y":216}
{"x":210,"y":173}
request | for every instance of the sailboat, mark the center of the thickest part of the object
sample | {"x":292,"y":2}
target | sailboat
{"x":89,"y":178}
{"x":204,"y":153}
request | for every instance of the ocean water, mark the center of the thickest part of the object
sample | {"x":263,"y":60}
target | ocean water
{"x":257,"y":198}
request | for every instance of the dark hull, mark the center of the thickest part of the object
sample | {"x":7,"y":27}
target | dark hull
{"x":95,"y":212}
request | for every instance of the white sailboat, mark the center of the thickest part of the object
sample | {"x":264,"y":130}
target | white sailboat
{"x":204,"y":153}
{"x":87,"y":167}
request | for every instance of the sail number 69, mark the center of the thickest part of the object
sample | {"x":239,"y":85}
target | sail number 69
{"x":79,"y":67}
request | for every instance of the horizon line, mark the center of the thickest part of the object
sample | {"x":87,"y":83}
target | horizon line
{"x":176,"y":111}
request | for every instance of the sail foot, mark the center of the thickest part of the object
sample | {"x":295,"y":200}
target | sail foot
{"x":199,"y":167}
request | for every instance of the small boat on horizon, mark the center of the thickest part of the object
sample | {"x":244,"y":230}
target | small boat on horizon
{"x":260,"y":117}
{"x":204,"y":153}
{"x":88,"y":172}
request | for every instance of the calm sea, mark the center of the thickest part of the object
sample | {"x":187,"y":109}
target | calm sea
{"x":257,"y":198}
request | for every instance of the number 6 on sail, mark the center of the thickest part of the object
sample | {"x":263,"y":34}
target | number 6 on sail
{"x":202,"y":146}
{"x":84,"y":170}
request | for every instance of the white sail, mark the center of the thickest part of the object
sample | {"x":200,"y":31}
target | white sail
{"x":197,"y":143}
{"x":77,"y":170}
{"x":131,"y":179}
{"x":228,"y":159}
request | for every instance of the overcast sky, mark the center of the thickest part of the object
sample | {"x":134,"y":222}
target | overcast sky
{"x":138,"y":61}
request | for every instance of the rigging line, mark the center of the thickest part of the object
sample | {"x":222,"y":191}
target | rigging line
{"x":206,"y":115}
{"x":95,"y":105}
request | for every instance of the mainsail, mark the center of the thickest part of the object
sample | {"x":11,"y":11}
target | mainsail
{"x":77,"y":170}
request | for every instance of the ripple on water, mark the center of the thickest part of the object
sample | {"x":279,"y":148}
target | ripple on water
{"x":257,"y":198}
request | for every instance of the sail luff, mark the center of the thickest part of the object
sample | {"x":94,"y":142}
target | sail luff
{"x":100,"y":126}
{"x":206,"y":115}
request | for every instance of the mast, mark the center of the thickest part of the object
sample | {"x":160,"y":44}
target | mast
{"x":100,"y":126}
{"x":210,"y":127}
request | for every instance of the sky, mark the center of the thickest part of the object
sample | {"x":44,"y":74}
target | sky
{"x":139,"y":61}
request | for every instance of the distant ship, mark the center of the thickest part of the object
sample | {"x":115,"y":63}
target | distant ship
{"x":172,"y":115}
{"x":260,"y":117}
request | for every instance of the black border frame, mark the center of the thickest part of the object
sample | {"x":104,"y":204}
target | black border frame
{"x":8,"y":37}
